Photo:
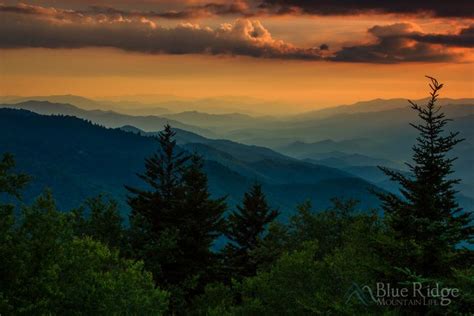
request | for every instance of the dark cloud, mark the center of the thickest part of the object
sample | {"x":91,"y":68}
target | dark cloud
{"x":209,"y":9}
{"x":239,"y":7}
{"x":465,"y":38}
{"x":50,"y":28}
{"x":401,"y":42}
{"x":439,"y":8}
{"x":34,"y":26}
{"x":249,"y":8}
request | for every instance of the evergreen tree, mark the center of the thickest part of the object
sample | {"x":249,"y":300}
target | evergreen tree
{"x":57,"y":273}
{"x":11,"y":183}
{"x":426,"y":223}
{"x":101,"y":221}
{"x":245,"y":229}
{"x":154,"y":221}
{"x":203,"y":219}
{"x":175,"y":221}
{"x":11,"y":264}
{"x":46,"y":270}
{"x":163,"y":175}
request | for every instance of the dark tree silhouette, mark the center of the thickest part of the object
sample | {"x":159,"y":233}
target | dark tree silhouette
{"x":426,"y":222}
{"x":11,"y":183}
{"x":100,"y":219}
{"x":153,"y":219}
{"x":245,"y":229}
{"x":163,"y":175}
{"x":203,"y":220}
{"x":175,"y":221}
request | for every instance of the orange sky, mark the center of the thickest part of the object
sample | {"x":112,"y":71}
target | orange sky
{"x":278,"y":59}
{"x":108,"y":72}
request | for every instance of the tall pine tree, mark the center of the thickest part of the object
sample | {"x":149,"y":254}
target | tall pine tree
{"x":175,"y":221}
{"x":426,"y":222}
{"x":203,"y":221}
{"x":153,"y":220}
{"x":245,"y":229}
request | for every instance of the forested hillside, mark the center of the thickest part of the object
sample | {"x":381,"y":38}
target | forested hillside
{"x":149,"y":246}
{"x":78,"y":159}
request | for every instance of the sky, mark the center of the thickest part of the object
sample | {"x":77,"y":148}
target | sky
{"x":308,"y":54}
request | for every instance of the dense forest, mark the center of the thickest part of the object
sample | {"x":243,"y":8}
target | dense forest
{"x":345,"y":259}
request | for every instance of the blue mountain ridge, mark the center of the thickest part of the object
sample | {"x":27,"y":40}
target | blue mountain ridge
{"x":78,"y":159}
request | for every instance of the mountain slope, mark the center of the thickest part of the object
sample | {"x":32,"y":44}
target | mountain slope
{"x":256,"y":162}
{"x":78,"y":159}
{"x":78,"y":101}
{"x":376,"y":105}
{"x":106,"y":118}
{"x":247,"y":153}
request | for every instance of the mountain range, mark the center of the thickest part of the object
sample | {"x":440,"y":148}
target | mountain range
{"x":352,"y":138}
{"x":78,"y":159}
{"x":159,"y":104}
{"x":105,"y":118}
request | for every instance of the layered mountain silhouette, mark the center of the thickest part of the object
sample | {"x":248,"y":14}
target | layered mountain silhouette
{"x":376,"y":105}
{"x":106,"y":118}
{"x":77,"y":159}
{"x":353,"y":138}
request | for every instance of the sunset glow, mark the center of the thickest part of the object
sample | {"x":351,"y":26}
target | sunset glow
{"x":278,"y":51}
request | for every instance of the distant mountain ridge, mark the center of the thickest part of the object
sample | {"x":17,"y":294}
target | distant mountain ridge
{"x":77,"y":101}
{"x":255,"y":162}
{"x":377,"y":129}
{"x":237,"y":150}
{"x":105,"y":118}
{"x":376,"y":126}
{"x":77,"y":159}
{"x":375,"y":105}
{"x":155,"y":104}
{"x":219,"y":122}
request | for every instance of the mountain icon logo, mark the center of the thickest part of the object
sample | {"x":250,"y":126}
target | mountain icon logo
{"x":362,"y":294}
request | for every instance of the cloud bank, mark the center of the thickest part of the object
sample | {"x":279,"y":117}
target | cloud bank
{"x":437,"y":8}
{"x":180,"y":9}
{"x":35,"y":26}
{"x":32,"y":26}
{"x":404,"y":42}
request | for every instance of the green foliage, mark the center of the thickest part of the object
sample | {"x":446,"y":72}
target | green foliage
{"x":295,"y":276}
{"x":47,"y":270}
{"x":174,"y":222}
{"x":463,"y":279}
{"x":100,"y":219}
{"x":328,"y":227}
{"x":290,"y":287}
{"x":217,"y":299}
{"x":11,"y":183}
{"x":95,"y":280}
{"x":57,"y":273}
{"x":86,"y":262}
{"x":246,"y":227}
{"x":11,"y":264}
{"x":426,"y":225}
{"x":202,"y":222}
{"x":272,"y":246}
{"x":154,"y":220}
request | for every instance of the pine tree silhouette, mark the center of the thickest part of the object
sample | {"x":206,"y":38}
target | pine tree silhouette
{"x":426,"y":221}
{"x":154,"y":222}
{"x":203,"y":221}
{"x":175,"y":221}
{"x":245,"y":229}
